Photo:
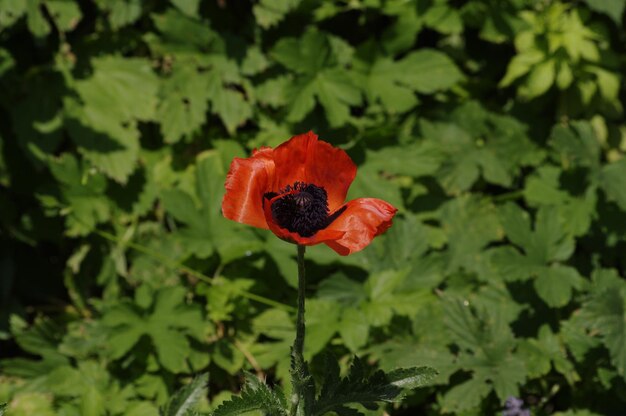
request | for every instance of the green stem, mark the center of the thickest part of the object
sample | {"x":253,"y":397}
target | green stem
{"x":298,"y":344}
{"x":509,"y":196}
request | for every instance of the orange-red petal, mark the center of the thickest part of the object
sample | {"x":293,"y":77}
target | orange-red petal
{"x":246,"y":182}
{"x":306,"y":159}
{"x":362,"y":220}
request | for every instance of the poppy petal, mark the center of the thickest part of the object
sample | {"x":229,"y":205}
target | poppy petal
{"x":304,"y":158}
{"x":362,"y":220}
{"x":246,"y":182}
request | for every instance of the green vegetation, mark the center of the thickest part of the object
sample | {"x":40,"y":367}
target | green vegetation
{"x":495,"y":127}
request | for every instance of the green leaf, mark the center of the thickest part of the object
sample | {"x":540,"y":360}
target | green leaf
{"x":540,"y":79}
{"x":37,"y":117}
{"x":121,"y":89}
{"x":269,"y":13}
{"x":516,"y":224}
{"x":184,"y":104}
{"x":80,"y":196}
{"x":554,"y":284}
{"x":232,"y":108}
{"x":11,"y":11}
{"x":613,"y":8}
{"x":229,"y":103}
{"x":412,"y":378}
{"x":544,"y":351}
{"x":577,"y":145}
{"x":361,"y":387}
{"x":428,"y":71}
{"x":168,"y":324}
{"x":111,"y":147}
{"x":181,"y":403}
{"x":29,"y":403}
{"x":606,"y":311}
{"x":486,"y":348}
{"x":336,"y":93}
{"x":384,"y":83}
{"x":354,"y":329}
{"x":256,"y":395}
{"x":36,"y":20}
{"x":475,"y":142}
{"x":65,"y":13}
{"x":464,"y":396}
{"x":186,"y":37}
{"x":322,"y":317}
{"x":307,"y":55}
{"x":120,"y":92}
{"x":470,"y":223}
{"x":172,"y":348}
{"x":321,"y":77}
{"x":189,"y":7}
{"x":520,"y":65}
{"x":425,"y":71}
{"x":121,"y":12}
{"x":613,"y":181}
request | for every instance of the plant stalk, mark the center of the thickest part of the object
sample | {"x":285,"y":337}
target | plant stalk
{"x":298,"y":344}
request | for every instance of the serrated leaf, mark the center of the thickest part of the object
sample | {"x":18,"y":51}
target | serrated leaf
{"x":107,"y":144}
{"x":321,"y":77}
{"x":359,"y":386}
{"x":184,"y":103}
{"x":577,"y":145}
{"x":384,"y":83}
{"x":254,"y":396}
{"x":555,"y":284}
{"x":464,"y":396}
{"x":81,"y":196}
{"x":544,"y":351}
{"x":307,"y":55}
{"x":182,"y":402}
{"x":474,"y":143}
{"x":606,"y":310}
{"x":470,"y":223}
{"x":121,"y":89}
{"x":613,"y":181}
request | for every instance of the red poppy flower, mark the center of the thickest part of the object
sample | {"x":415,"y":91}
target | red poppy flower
{"x":298,"y":191}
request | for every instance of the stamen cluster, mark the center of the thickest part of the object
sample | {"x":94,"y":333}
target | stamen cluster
{"x":303,"y":208}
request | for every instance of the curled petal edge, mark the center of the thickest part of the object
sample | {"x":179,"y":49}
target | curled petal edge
{"x":362,"y":220}
{"x":246,"y":182}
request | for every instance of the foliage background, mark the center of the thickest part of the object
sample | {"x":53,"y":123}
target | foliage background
{"x":496,"y":127}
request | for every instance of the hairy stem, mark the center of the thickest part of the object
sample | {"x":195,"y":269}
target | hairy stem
{"x":298,"y":344}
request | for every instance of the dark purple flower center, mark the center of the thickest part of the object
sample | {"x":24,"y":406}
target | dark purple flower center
{"x":302,"y":208}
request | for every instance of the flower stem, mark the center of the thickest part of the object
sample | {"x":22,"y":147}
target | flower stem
{"x":298,"y":365}
{"x":298,"y":345}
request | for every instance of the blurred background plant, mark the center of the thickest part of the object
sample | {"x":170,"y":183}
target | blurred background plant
{"x":496,"y":128}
